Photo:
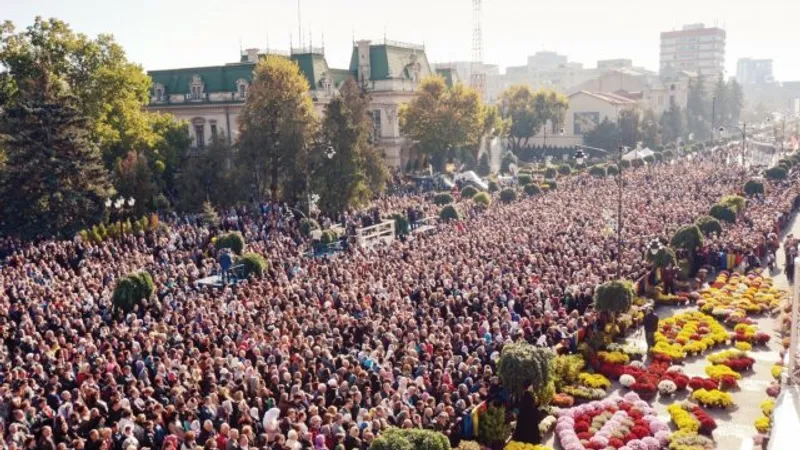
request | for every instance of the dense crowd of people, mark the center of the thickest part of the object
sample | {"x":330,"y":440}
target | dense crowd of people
{"x":325,"y":353}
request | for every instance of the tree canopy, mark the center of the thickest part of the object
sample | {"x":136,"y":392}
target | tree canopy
{"x":529,"y":111}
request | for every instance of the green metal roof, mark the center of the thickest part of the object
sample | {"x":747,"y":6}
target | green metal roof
{"x":313,"y":66}
{"x":215,"y":78}
{"x":391,"y":62}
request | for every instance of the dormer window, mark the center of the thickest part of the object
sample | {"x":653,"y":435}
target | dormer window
{"x":196,"y":87}
{"x":159,"y":92}
{"x":241,"y":88}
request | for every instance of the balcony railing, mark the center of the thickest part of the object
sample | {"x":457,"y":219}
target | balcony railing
{"x":217,"y":97}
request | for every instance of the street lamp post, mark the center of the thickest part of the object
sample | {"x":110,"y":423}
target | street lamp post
{"x":579,"y":157}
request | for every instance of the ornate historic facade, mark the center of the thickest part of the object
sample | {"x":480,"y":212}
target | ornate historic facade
{"x":210,"y":98}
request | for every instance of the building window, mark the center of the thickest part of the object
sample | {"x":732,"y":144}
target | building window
{"x":196,"y":87}
{"x":242,"y":91}
{"x":213,"y":131}
{"x":200,"y":135}
{"x":159,"y":91}
{"x":376,"y":125}
{"x":241,"y":88}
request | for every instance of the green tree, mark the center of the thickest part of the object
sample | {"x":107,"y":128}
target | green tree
{"x":708,"y":225}
{"x":672,"y":124}
{"x":234,"y":241}
{"x":650,"y":130}
{"x":605,"y":135}
{"x":697,"y":110}
{"x":722,"y":105}
{"x":735,"y":100}
{"x":343,"y":181}
{"x":210,"y":174}
{"x":629,"y":133}
{"x":484,"y":168}
{"x":723,"y":213}
{"x":442,"y":120}
{"x":210,"y":216}
{"x":614,"y":296}
{"x":134,"y":179}
{"x":529,"y":111}
{"x":276,"y":125}
{"x":687,"y":237}
{"x":53,"y":182}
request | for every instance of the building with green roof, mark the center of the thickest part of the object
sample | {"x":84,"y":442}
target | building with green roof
{"x":210,"y":98}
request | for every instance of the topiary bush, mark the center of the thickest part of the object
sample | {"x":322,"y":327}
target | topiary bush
{"x":233,"y":241}
{"x":553,"y":184}
{"x":777,"y":173}
{"x":132,"y":290}
{"x":736,"y":202}
{"x":754,"y":187}
{"x":624,"y":164}
{"x":144,"y":286}
{"x":612,"y":170}
{"x":468,"y":192}
{"x":564,"y":169}
{"x":493,"y":186}
{"x":708,"y":225}
{"x":550,"y":172}
{"x":664,"y":257}
{"x":254,"y":264}
{"x":523,"y":366}
{"x":443,"y":198}
{"x":532,"y":189}
{"x":492,"y":427}
{"x":638,"y":162}
{"x":614,"y":296}
{"x":448,"y":213}
{"x":329,"y":237}
{"x":723,"y":212}
{"x":597,"y":171}
{"x":524,"y":179}
{"x":687,"y":237}
{"x":649,"y":159}
{"x":307,"y":226}
{"x":508,"y":195}
{"x":482,"y":199}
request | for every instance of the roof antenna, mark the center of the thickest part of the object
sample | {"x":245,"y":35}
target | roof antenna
{"x":323,"y":42}
{"x":240,"y":45}
{"x":384,"y":33}
{"x":299,"y":23}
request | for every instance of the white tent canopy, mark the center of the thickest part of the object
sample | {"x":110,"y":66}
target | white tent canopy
{"x":639,"y":153}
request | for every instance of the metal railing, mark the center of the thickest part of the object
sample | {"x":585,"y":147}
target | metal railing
{"x":383,"y":231}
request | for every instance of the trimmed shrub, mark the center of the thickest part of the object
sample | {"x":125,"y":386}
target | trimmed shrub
{"x":564,"y":169}
{"x":144,"y":284}
{"x":508,"y":195}
{"x":723,"y":212}
{"x":638,"y":162}
{"x":659,"y":157}
{"x":687,"y":237}
{"x":524,"y":179}
{"x":532,"y":189}
{"x":522,"y":366}
{"x":401,"y":225}
{"x":448,"y":213}
{"x":410,"y":439}
{"x":329,"y":237}
{"x":612,"y":170}
{"x":597,"y":171}
{"x":614,"y":296}
{"x":125,"y":298}
{"x":708,"y":225}
{"x":553,"y":184}
{"x":669,"y":154}
{"x":233,"y":241}
{"x":482,"y":199}
{"x":777,"y":173}
{"x":493,"y":186}
{"x":663,"y":257}
{"x":734,"y":201}
{"x":753,"y":187}
{"x":307,"y":226}
{"x":254,"y":264}
{"x":649,"y":159}
{"x":624,"y":164}
{"x":443,"y":198}
{"x":550,"y":172}
{"x":508,"y":159}
{"x":468,"y":192}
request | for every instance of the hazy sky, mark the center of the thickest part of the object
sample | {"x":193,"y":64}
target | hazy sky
{"x":180,"y":33}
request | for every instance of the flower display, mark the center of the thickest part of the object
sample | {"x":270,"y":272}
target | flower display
{"x":667,"y":387}
{"x":515,"y":445}
{"x":626,"y":423}
{"x":776,"y":371}
{"x":547,"y":424}
{"x":773,"y":390}
{"x":689,"y":333}
{"x":716,"y":371}
{"x":627,"y":380}
{"x":690,"y":440}
{"x":563,"y":400}
{"x":707,"y":423}
{"x":683,"y":419}
{"x":743,"y":346}
{"x":763,"y":424}
{"x":585,"y":393}
{"x":616,"y":357}
{"x":767,"y":406}
{"x":713,"y":398}
{"x":734,"y":297}
{"x":596,"y":381}
{"x":703,"y":383}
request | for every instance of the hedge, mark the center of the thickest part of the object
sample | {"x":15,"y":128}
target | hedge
{"x":638,"y":162}
{"x":443,"y":198}
{"x":777,"y":173}
{"x":597,"y":171}
{"x":708,"y":225}
{"x":723,"y":212}
{"x":131,"y":290}
{"x":482,"y":198}
{"x":532,"y":189}
{"x":233,"y":241}
{"x":564,"y":169}
{"x":468,"y":192}
{"x":254,"y":264}
{"x":614,"y":296}
{"x":624,"y":164}
{"x":612,"y":170}
{"x":524,"y":179}
{"x":736,"y":202}
{"x":493,"y":186}
{"x":508,"y":195}
{"x":307,"y":226}
{"x":687,"y":237}
{"x":448,"y":213}
{"x":753,"y":187}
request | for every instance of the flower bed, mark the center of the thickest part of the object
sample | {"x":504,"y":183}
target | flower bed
{"x":736,"y":360}
{"x":627,"y":423}
{"x":713,"y":398}
{"x":690,"y":333}
{"x":514,"y":445}
{"x":733,"y":297}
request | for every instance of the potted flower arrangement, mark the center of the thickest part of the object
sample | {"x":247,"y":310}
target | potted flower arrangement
{"x":713,"y":398}
{"x":703,"y":383}
{"x":667,"y":387}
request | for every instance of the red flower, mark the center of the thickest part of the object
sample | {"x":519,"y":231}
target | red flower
{"x":584,"y":435}
{"x":640,"y":431}
{"x":581,"y":427}
{"x":635,"y":414}
{"x":616,"y":442}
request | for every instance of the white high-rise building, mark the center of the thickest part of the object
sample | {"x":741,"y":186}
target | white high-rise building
{"x":695,"y":48}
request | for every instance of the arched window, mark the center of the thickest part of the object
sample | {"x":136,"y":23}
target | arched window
{"x":159,"y":92}
{"x":196,"y":87}
{"x":241,"y":87}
